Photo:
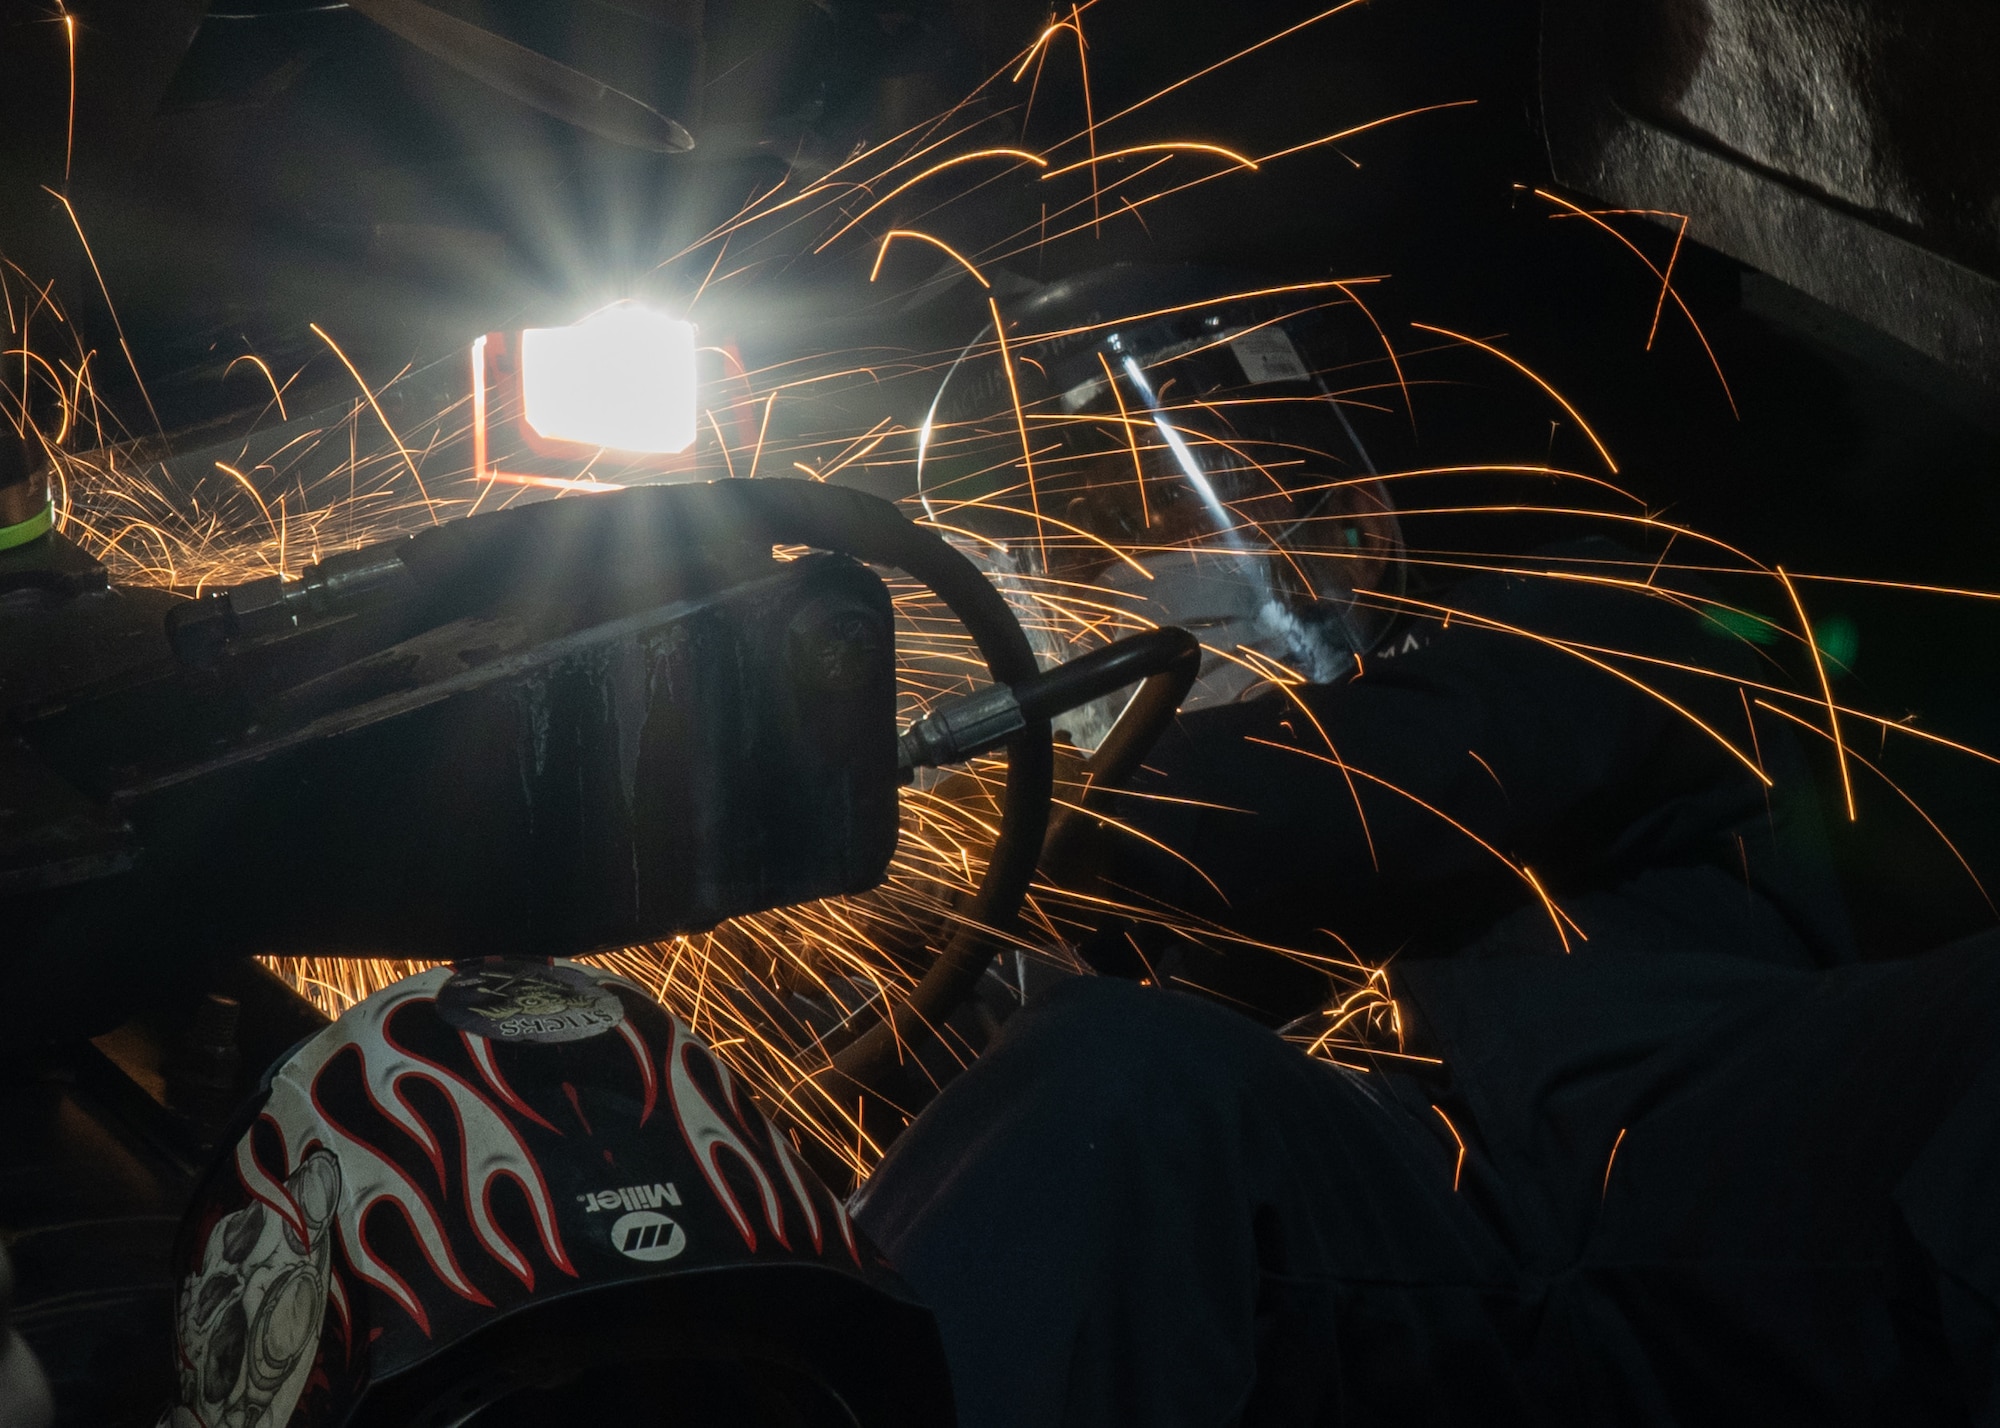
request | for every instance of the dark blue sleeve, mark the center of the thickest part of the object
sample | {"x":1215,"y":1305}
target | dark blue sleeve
{"x":1389,"y":809}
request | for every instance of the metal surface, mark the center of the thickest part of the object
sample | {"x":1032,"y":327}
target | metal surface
{"x":531,"y":745}
{"x":1838,"y":146}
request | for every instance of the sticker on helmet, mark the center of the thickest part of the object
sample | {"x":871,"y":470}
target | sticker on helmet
{"x":507,"y":1000}
{"x":250,"y":1316}
{"x":647,"y":1235}
{"x":1267,"y":355}
{"x":632,"y":1197}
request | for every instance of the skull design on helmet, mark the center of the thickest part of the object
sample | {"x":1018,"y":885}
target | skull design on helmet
{"x":250,"y":1317}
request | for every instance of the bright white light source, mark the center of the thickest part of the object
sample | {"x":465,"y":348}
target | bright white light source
{"x":622,"y":378}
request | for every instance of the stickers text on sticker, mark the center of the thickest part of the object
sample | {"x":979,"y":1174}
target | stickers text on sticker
{"x":1267,"y":355}
{"x":574,"y":1023}
{"x":631,"y":1197}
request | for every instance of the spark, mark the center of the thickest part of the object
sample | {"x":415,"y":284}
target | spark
{"x":1248,"y":295}
{"x":1363,"y":128}
{"x":1532,"y":376}
{"x":1580,"y":652}
{"x":1131,"y":438}
{"x":381,"y":416}
{"x":894,"y":233}
{"x":1089,"y":118}
{"x":1322,"y":141}
{"x":1041,"y":43}
{"x":1183,"y":147}
{"x":1115,"y":551}
{"x":708,"y":277}
{"x":721,"y":444}
{"x":1556,"y":914}
{"x":550,"y":483}
{"x":110,"y":307}
{"x":1203,"y":73}
{"x":1458,"y":1168}
{"x":69,"y":130}
{"x":1903,"y":794}
{"x":1911,"y":587}
{"x":277,"y":393}
{"x":758,"y":454}
{"x":248,"y":485}
{"x":1018,"y":155}
{"x":1666,"y":287}
{"x":1020,"y":417}
{"x":1389,"y":348}
{"x":1826,"y":687}
{"x":1489,"y":772}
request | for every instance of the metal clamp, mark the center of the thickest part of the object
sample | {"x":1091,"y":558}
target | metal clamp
{"x":961,"y":729}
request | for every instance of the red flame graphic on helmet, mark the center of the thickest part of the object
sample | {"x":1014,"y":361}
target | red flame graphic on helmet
{"x":489,"y":1151}
{"x":710,"y":1134}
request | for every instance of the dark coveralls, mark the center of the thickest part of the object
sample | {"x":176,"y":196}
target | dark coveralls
{"x":1714,"y":1170}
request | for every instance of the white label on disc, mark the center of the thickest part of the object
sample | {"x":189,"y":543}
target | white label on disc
{"x":1267,"y":355}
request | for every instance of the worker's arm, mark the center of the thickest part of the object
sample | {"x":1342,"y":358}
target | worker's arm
{"x":1488,"y":744}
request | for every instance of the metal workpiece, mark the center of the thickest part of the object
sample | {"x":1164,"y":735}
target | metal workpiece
{"x":201,"y":629}
{"x":569,"y":562}
{"x":631,"y":780}
{"x":577,"y":726}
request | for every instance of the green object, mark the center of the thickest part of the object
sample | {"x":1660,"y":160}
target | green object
{"x":1838,"y":640}
{"x":33,"y":528}
{"x":1742,"y":624}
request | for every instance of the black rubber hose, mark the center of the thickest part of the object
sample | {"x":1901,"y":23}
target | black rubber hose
{"x":1174,"y":657}
{"x":868,"y":528}
{"x":1102,"y":671}
{"x":1149,"y":713}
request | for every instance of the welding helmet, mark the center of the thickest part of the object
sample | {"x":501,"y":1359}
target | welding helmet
{"x":1193,"y":463}
{"x":510,"y":1193}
